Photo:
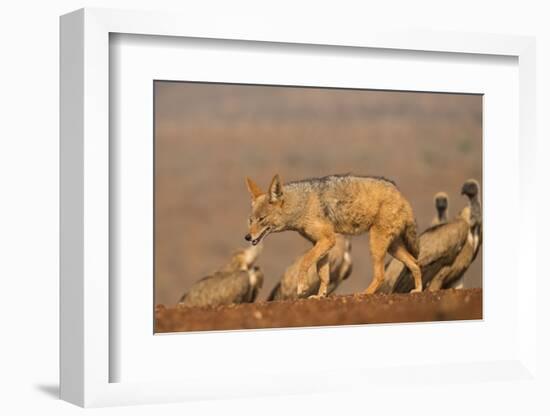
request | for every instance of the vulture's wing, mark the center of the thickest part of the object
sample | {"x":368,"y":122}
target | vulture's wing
{"x":442,"y":241}
{"x":478,"y":232}
{"x":234,"y":287}
{"x":222,"y":288}
{"x":392,"y":274}
{"x":439,"y":245}
{"x":456,"y":270}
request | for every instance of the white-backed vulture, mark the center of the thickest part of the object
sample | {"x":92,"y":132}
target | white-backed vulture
{"x":239,"y":281}
{"x":444,"y":249}
{"x":452,"y":275}
{"x":340,"y":265}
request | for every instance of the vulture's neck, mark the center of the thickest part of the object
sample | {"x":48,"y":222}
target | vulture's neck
{"x":442,"y":214}
{"x":475,"y":210}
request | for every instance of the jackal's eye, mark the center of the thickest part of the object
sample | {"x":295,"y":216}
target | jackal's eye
{"x":250,"y":221}
{"x":261,"y":219}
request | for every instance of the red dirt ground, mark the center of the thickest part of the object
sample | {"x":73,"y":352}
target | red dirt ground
{"x":443,"y":305}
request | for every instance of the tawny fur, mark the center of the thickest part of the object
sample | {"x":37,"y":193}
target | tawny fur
{"x":340,"y":264}
{"x":346,"y":204}
{"x":443,"y":251}
{"x":239,"y":281}
{"x":395,"y":268}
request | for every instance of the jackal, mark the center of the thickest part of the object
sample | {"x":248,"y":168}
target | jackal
{"x":346,"y":204}
{"x":340,"y":264}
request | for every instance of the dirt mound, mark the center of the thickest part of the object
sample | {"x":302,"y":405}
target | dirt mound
{"x":355,"y":309}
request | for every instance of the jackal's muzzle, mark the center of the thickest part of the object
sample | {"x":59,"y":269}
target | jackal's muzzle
{"x":256,"y":240}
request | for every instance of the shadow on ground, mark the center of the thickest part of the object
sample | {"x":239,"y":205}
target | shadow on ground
{"x":51,"y":390}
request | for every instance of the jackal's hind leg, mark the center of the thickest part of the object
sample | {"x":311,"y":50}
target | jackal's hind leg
{"x":400,"y":252}
{"x":379,"y":243}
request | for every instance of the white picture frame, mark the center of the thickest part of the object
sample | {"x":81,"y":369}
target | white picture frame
{"x":86,"y":294}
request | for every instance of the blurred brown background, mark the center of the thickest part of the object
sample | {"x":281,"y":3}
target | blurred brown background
{"x":208,"y":137}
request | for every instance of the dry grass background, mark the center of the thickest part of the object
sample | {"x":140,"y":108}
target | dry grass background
{"x":208,"y":137}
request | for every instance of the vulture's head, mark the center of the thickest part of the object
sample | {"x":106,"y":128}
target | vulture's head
{"x":470,"y":188}
{"x":441,"y":201}
{"x":245,"y":258}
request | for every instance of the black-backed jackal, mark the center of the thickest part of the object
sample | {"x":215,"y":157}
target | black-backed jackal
{"x":346,"y":204}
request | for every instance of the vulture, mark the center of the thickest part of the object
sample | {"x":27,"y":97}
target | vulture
{"x":340,"y":265}
{"x":452,"y":275}
{"x":441,"y":201}
{"x":239,"y":281}
{"x":446,"y":249}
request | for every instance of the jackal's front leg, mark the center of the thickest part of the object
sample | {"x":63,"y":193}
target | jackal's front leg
{"x":323,"y":270}
{"x":312,"y":258}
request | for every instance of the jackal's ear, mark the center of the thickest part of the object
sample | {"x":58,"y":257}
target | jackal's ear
{"x":254,"y":189}
{"x":275,"y":189}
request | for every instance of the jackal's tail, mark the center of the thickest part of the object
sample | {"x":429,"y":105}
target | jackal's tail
{"x":410,"y":239}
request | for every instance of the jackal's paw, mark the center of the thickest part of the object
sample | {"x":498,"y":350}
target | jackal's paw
{"x":316,"y":296}
{"x":416,"y":291}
